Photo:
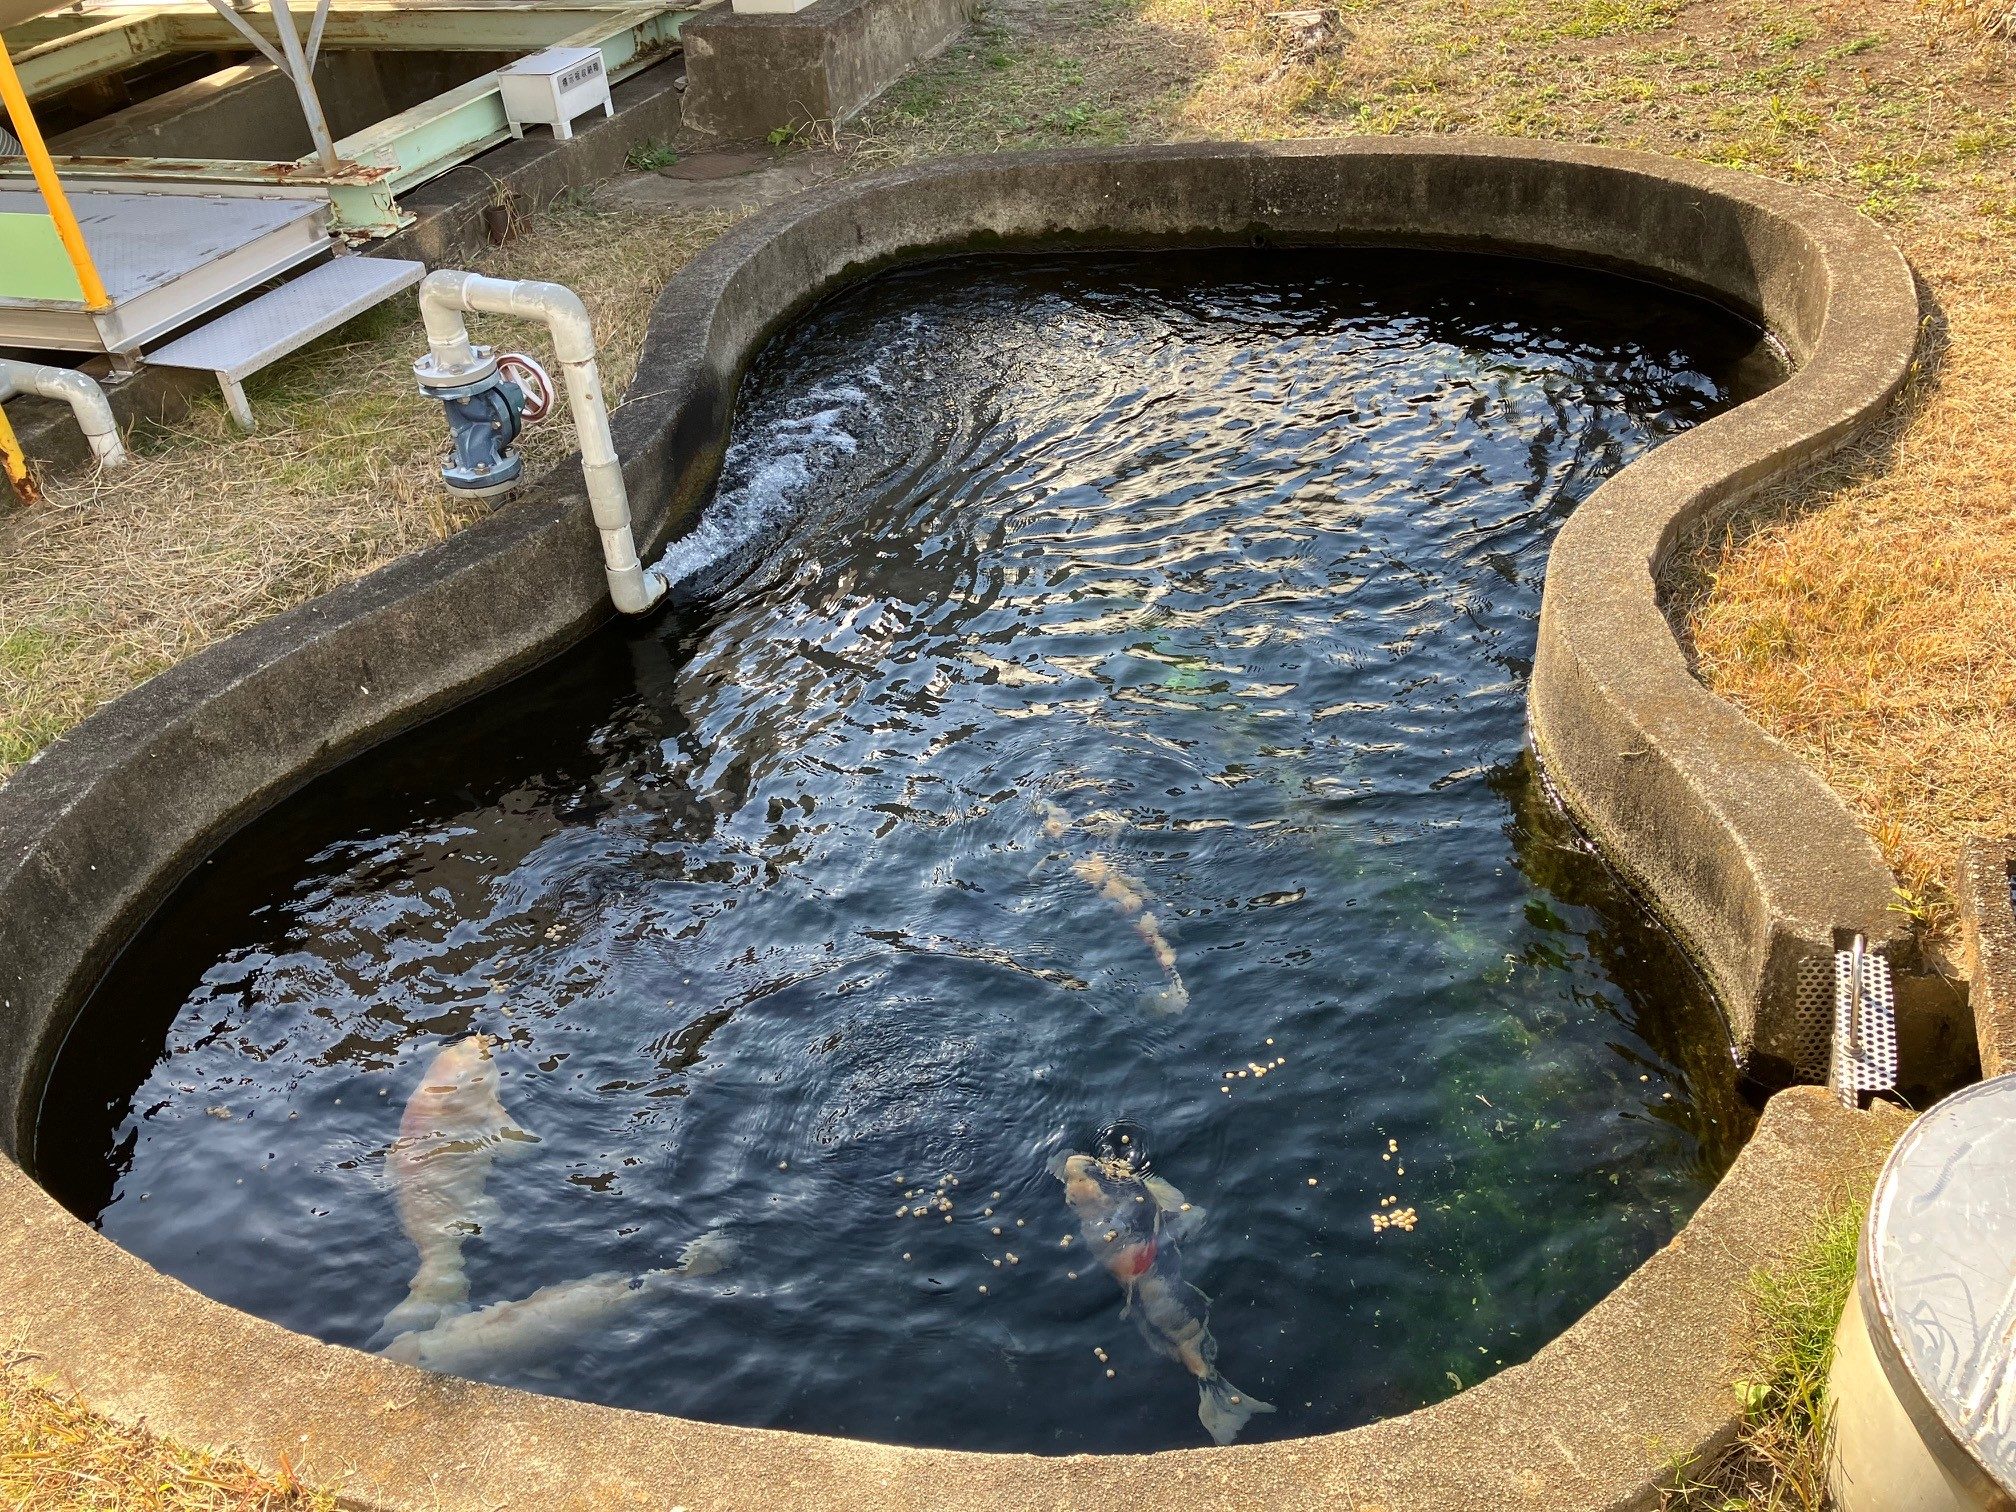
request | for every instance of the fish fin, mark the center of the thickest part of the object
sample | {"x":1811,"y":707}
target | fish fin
{"x":1172,"y":999}
{"x":1166,"y":1196}
{"x":710,"y":1254}
{"x":404,"y":1348}
{"x":436,"y":1292}
{"x":1223,"y":1408}
{"x":1056,"y":1165}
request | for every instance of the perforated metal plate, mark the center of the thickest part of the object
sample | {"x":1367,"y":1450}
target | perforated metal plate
{"x":1813,"y":1018}
{"x":1865,"y":1036}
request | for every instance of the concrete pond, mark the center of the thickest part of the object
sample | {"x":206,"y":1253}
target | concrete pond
{"x":1152,"y":330}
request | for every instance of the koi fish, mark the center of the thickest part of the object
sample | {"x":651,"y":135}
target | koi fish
{"x":1132,"y":1221}
{"x":453,"y":1130}
{"x":527,"y":1332}
{"x":1130,"y":898}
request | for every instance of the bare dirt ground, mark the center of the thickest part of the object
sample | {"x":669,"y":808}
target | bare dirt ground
{"x":1865,"y":618}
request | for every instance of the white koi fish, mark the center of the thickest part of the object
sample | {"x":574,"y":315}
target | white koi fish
{"x":1132,"y":1221}
{"x":453,"y":1130}
{"x":1125,"y":894}
{"x":530,"y":1331}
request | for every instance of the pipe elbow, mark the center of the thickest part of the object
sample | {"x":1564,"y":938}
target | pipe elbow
{"x":566,"y":318}
{"x":81,"y":392}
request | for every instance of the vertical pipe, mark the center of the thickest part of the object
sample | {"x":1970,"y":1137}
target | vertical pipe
{"x":15,"y":98}
{"x":633,"y":588}
{"x":303,"y":75}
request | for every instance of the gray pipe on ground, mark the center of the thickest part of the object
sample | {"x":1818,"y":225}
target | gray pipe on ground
{"x":452,"y":360}
{"x":79,"y":391}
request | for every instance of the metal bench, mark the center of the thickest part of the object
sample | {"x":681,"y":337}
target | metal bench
{"x":283,"y":320}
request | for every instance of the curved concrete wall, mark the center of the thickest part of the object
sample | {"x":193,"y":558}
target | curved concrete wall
{"x":1751,"y":857}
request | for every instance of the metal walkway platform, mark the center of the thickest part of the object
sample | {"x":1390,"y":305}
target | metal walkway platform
{"x":261,"y":332}
{"x":167,"y":258}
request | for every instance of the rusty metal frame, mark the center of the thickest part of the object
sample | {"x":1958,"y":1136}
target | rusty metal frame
{"x":374,"y":164}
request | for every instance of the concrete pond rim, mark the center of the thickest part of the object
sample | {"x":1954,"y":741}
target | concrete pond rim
{"x":1752,"y":859}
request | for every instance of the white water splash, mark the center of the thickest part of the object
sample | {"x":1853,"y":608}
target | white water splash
{"x":766,"y":475}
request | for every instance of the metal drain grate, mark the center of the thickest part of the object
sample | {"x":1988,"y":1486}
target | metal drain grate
{"x":1813,"y":1018}
{"x":1864,"y":1058}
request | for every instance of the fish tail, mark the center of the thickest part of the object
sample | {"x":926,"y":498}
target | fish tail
{"x":1223,"y":1408}
{"x":438,"y":1291}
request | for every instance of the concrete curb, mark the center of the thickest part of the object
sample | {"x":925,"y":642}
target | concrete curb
{"x":1988,"y":935}
{"x":1746,"y":850}
{"x":1742,"y":847}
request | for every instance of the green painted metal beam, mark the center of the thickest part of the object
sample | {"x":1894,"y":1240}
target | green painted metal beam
{"x":108,"y":47}
{"x":402,"y":150}
{"x":436,"y":135}
{"x":59,"y":60}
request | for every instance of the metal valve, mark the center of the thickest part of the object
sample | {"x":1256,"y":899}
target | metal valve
{"x":487,"y":402}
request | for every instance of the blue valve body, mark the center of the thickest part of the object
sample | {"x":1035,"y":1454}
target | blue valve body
{"x":484,"y":418}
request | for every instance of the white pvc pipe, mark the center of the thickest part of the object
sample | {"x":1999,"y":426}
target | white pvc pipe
{"x":445,"y":295}
{"x":80,"y":392}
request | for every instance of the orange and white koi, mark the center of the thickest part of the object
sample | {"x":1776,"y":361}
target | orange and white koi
{"x":1132,"y":1221}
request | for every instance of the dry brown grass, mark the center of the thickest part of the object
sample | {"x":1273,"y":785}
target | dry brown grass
{"x":1876,"y":634}
{"x":57,"y":1457}
{"x":117,"y":576}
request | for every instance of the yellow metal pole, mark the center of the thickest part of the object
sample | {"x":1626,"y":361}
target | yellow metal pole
{"x":15,"y":98}
{"x":13,"y":463}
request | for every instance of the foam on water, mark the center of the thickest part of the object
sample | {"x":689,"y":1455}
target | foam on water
{"x":767,"y":477}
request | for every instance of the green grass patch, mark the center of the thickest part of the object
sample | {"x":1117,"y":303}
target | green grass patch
{"x":1779,"y":1461}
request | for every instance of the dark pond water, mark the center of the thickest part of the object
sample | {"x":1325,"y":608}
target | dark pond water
{"x":1135,"y":703}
